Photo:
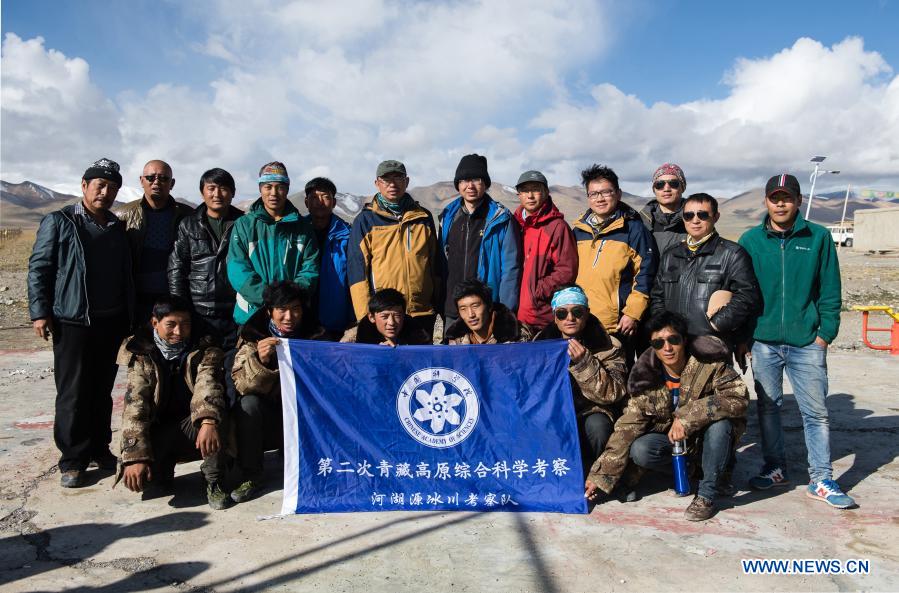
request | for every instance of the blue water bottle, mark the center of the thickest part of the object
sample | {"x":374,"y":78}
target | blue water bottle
{"x":679,"y":465}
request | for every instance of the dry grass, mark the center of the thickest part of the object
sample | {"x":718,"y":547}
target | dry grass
{"x":14,"y":252}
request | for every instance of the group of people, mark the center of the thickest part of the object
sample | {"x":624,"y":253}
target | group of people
{"x":656,"y":307}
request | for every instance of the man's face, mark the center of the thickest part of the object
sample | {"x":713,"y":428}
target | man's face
{"x":474,"y":312}
{"x":783,"y":208}
{"x":389,"y":322}
{"x":672,"y":355}
{"x":274,"y":195}
{"x":698,"y":219}
{"x":217,"y":197}
{"x":603,"y":197}
{"x":668,"y":191}
{"x":392,"y":186}
{"x":173,"y":328}
{"x":320,"y":203}
{"x":472,"y":190}
{"x":157,"y":180}
{"x":99,"y":194}
{"x":571,"y":319}
{"x":532,"y":194}
{"x":287,"y":318}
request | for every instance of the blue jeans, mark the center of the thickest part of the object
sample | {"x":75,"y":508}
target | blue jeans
{"x":653,"y":451}
{"x":806,"y":368}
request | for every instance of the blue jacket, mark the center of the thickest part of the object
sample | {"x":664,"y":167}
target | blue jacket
{"x":335,"y":309}
{"x":499,"y":263}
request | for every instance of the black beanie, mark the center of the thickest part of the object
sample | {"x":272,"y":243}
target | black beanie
{"x":472,"y":166}
{"x":104,"y":169}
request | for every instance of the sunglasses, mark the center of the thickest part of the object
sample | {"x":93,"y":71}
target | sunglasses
{"x":576,"y":312}
{"x":674,"y":340}
{"x":672,"y":183}
{"x":700,"y":214}
{"x":153,"y":178}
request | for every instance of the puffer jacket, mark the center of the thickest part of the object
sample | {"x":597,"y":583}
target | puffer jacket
{"x":333,"y":305}
{"x":617,"y":266}
{"x":57,"y":271}
{"x":387,"y":251}
{"x":198,"y":268}
{"x":667,"y":228}
{"x":506,"y":329}
{"x":710,"y":390}
{"x":264,"y":250}
{"x":499,"y":265}
{"x":148,"y":390}
{"x":598,"y":380}
{"x":134,"y":214}
{"x":686,"y":279}
{"x":550,"y":260}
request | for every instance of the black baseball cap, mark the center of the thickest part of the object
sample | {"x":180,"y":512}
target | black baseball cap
{"x":783,"y":183}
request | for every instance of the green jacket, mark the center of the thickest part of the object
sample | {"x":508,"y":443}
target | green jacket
{"x":263,"y":250}
{"x":800,"y":281}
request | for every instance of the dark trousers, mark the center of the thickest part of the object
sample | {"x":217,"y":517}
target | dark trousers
{"x":224,"y":332}
{"x":653,"y":451}
{"x":259,"y":429}
{"x":175,"y":440}
{"x":85,"y":369}
{"x":594,"y":431}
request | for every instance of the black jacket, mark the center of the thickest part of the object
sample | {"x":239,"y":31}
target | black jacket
{"x":197,"y":268}
{"x":57,"y":272}
{"x":686,"y":280}
{"x":667,"y":229}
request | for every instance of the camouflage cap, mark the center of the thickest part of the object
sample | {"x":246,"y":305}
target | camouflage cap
{"x":387,"y":167}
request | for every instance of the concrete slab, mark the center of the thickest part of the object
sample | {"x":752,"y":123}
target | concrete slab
{"x":97,"y":538}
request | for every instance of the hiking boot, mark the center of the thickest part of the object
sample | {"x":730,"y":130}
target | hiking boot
{"x":218,"y":498}
{"x":700,"y":509}
{"x":105,"y":461}
{"x":829,"y":492}
{"x":770,"y":477}
{"x":247,"y":490}
{"x":73,"y":478}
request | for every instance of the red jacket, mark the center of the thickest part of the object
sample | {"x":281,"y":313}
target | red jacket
{"x":550,"y":261}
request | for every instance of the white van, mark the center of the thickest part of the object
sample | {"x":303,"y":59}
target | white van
{"x":841,"y":236}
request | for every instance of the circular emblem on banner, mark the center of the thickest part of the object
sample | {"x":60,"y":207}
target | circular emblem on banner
{"x":438,"y":407}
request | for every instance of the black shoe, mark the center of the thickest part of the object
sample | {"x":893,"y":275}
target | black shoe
{"x":700,"y":509}
{"x":105,"y":461}
{"x":73,"y":478}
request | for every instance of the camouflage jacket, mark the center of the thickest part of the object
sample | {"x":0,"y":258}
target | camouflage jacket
{"x":710,"y":390}
{"x":598,"y":380}
{"x":506,"y":329}
{"x":148,"y":391}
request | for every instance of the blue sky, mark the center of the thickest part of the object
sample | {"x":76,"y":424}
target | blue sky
{"x":235,"y":84}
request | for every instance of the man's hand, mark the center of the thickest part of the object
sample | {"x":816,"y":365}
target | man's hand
{"x":742,"y":354}
{"x":388,"y":342}
{"x":41,"y":328}
{"x":677,"y":432}
{"x":820,"y":341}
{"x":576,"y":351}
{"x":266,"y":349}
{"x":208,"y":440}
{"x":592,"y":491}
{"x":136,"y":476}
{"x":627,"y":326}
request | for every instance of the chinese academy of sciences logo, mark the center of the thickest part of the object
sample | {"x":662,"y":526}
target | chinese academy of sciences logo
{"x":438,"y":407}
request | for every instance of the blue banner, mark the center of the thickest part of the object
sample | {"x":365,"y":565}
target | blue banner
{"x":472,"y":428}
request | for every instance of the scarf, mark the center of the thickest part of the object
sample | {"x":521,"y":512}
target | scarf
{"x":169,"y":351}
{"x":695,"y":245}
{"x":397,"y":208}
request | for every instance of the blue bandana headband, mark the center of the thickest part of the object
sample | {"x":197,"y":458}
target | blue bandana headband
{"x":274,"y":178}
{"x":573,"y":295}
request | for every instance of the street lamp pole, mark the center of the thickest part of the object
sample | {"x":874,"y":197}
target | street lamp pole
{"x":817,"y":160}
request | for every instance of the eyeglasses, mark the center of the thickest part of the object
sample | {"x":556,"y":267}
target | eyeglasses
{"x":576,"y":312}
{"x":659,"y":343}
{"x":397,"y":180}
{"x":161,"y":178}
{"x":672,"y":183}
{"x":604,"y":193}
{"x":700,"y":214}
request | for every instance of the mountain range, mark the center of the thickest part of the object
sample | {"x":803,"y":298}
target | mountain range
{"x":24,"y":204}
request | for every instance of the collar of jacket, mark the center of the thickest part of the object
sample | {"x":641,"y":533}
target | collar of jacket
{"x":497,"y":214}
{"x":256,"y":327}
{"x":505,"y":326}
{"x":69,"y":212}
{"x":413,"y":213}
{"x":654,"y":212}
{"x":800,"y":226}
{"x":367,"y":333}
{"x":544,"y":214}
{"x":258,"y":211}
{"x":708,"y":248}
{"x":232,"y":214}
{"x":594,"y":337}
{"x":647,"y":371}
{"x":626,"y":214}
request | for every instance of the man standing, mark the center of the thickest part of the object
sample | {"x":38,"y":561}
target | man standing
{"x":662,"y":215}
{"x":479,"y":238}
{"x":152,"y":224}
{"x":707,"y":279}
{"x":617,"y":262}
{"x":80,"y":291}
{"x":331,"y":305}
{"x":549,"y":253}
{"x":393,"y":244}
{"x":271,"y":242}
{"x":797,"y":268}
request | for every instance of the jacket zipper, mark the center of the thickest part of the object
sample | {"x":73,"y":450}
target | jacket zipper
{"x":465,"y":249}
{"x":87,"y":314}
{"x":783,"y":287}
{"x":598,"y":251}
